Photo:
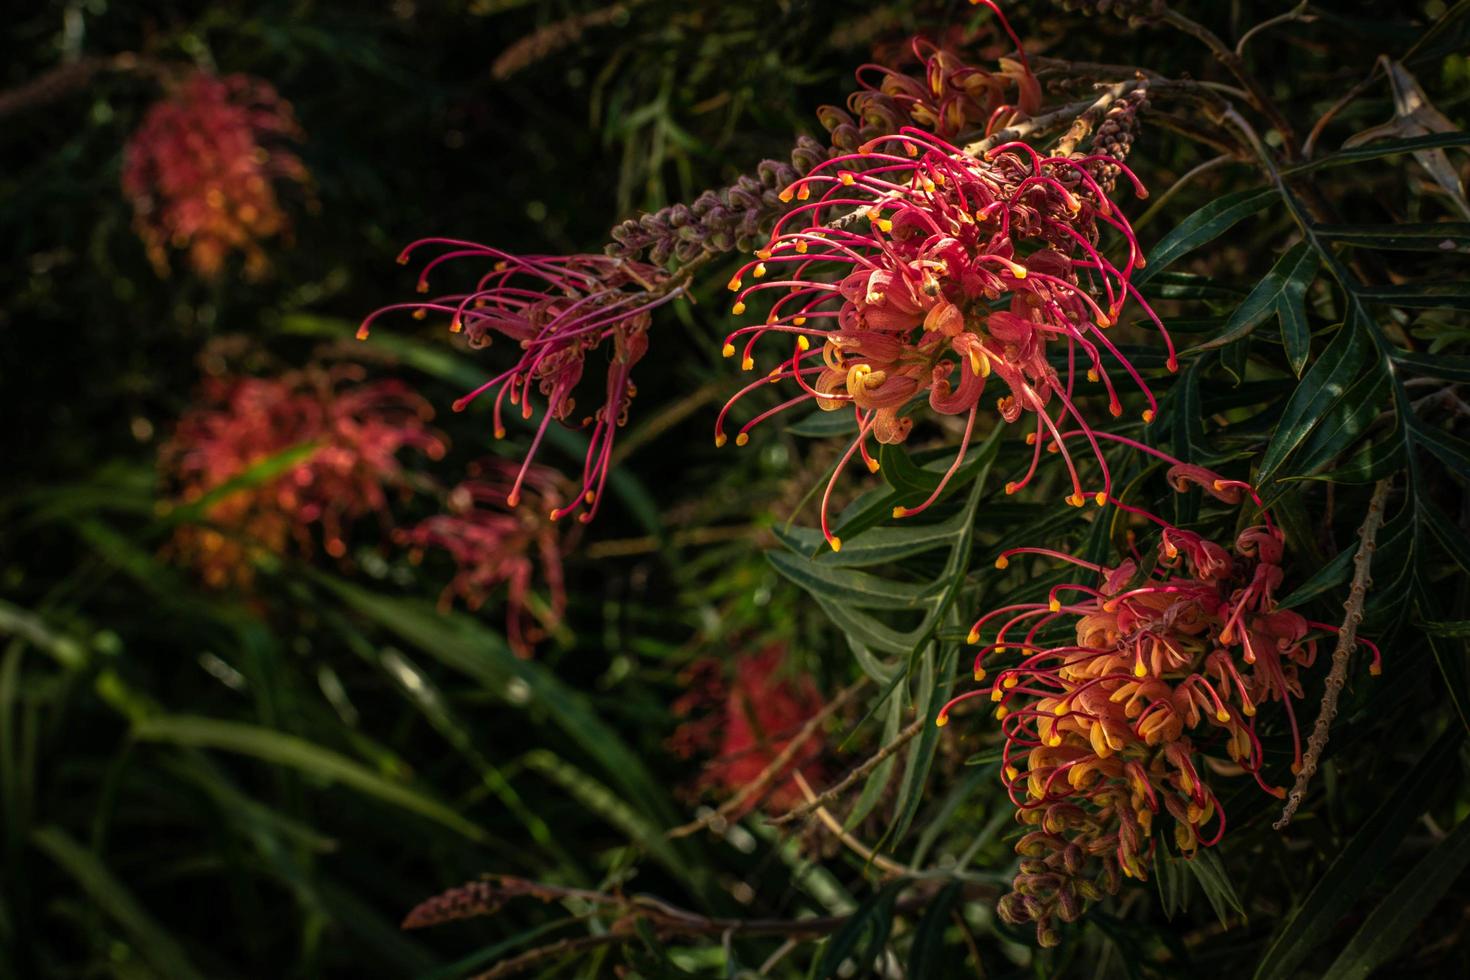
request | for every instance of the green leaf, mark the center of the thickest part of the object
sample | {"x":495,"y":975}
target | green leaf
{"x":1205,"y":225}
{"x":1284,"y":288}
{"x":281,"y":749}
{"x":1458,"y":627}
{"x":927,"y":953}
{"x":875,"y":545}
{"x":1436,"y":366}
{"x":1209,"y":871}
{"x":1383,"y":148}
{"x":848,"y":586}
{"x":1359,"y":862}
{"x":870,"y":925}
{"x":254,"y":475}
{"x":1449,"y":237}
{"x":1419,"y":295}
{"x":1390,"y":924}
{"x":1322,"y":387}
{"x":824,"y":425}
{"x":112,"y":897}
{"x":1326,"y":578}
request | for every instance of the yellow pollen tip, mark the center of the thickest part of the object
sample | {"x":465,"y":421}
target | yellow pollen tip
{"x":973,"y":637}
{"x":1222,"y":715}
{"x":1011,"y":773}
{"x":403,"y":260}
{"x":514,"y":500}
{"x":1059,"y":710}
{"x":763,"y":253}
{"x":1148,"y":416}
{"x":1054,"y":741}
{"x":590,"y":497}
{"x":500,"y":433}
{"x":1102,"y":321}
{"x":747,"y":364}
{"x":742,"y":439}
{"x":1092,"y":375}
{"x":728,"y":350}
{"x":759,"y":270}
{"x":721,"y":439}
{"x":1002,"y":562}
{"x":1375,"y":670}
{"x":801,"y":246}
{"x":733,"y":285}
{"x":803,"y":192}
{"x":1100,"y":498}
{"x":1010,"y":489}
{"x":1139,"y":670}
{"x":1010,"y":682}
{"x":362,"y":333}
{"x":798,"y":321}
{"x":997,"y":694}
{"x":1001,"y":712}
{"x":847,"y":178}
{"x":900,"y":511}
{"x":786,"y":196}
{"x":884,"y":225}
{"x":1219,"y":485}
{"x":422,"y":286}
{"x":803,"y":343}
{"x":873,"y":465}
{"x":420,"y":314}
{"x":738,"y":309}
{"x":1076,"y":500}
{"x":835,"y":542}
{"x":979,"y":674}
{"x":1054,"y":605}
{"x":455,"y":326}
{"x":941,"y":721}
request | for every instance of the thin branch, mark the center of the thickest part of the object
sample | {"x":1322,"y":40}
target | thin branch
{"x":1347,"y":642}
{"x":1088,"y":118}
{"x":1259,"y":99}
{"x":777,"y":765}
{"x":1301,"y":12}
{"x":835,"y":828}
{"x":1034,"y":125}
{"x":1175,"y":187}
{"x":856,"y":773}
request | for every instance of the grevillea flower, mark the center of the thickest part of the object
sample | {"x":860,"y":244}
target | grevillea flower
{"x":555,"y":310}
{"x":742,"y":724}
{"x":351,"y":432}
{"x":1115,"y":690}
{"x":493,"y":545}
{"x":201,"y":170}
{"x":965,"y":268}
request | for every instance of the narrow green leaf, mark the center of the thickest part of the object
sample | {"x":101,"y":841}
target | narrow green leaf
{"x":1205,"y":225}
{"x":873,"y":546}
{"x":848,"y":586}
{"x":1436,"y":366}
{"x":870,"y":925}
{"x":1321,"y":388}
{"x":1380,"y":149}
{"x":1390,"y":924}
{"x":1358,"y":862}
{"x":1209,"y":871}
{"x":108,"y":894}
{"x":927,"y":953}
{"x":1284,"y":286}
{"x":1419,"y":295}
{"x":1449,"y":237}
{"x":824,"y":425}
{"x":281,"y":749}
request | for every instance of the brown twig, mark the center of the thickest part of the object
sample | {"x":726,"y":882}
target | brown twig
{"x":1088,"y":118}
{"x":777,"y":765}
{"x":835,"y":828}
{"x":1034,"y":125}
{"x":1347,"y":642}
{"x":856,"y":773}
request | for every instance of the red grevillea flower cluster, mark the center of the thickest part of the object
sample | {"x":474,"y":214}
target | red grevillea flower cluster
{"x":554,"y":311}
{"x":492,"y":545}
{"x":1115,"y":692}
{"x":352,"y":431}
{"x":915,"y":270}
{"x":742,"y":724}
{"x":201,"y":169}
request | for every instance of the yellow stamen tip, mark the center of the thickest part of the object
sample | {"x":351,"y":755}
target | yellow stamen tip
{"x":786,"y":196}
{"x":900,"y":511}
{"x":1092,"y":375}
{"x":997,"y":694}
{"x":1054,"y":605}
{"x":941,"y":721}
{"x":847,"y":178}
{"x":1001,"y":712}
{"x":1222,"y":715}
{"x":747,"y":364}
{"x":1139,"y":670}
{"x":979,"y":674}
{"x":1101,"y":499}
{"x":873,"y":466}
{"x":803,"y":343}
{"x":742,"y":439}
{"x":759,"y":270}
{"x":738,"y":309}
{"x":803,"y":192}
{"x":1148,"y":416}
{"x":1011,"y":680}
{"x":1002,"y":562}
{"x":835,"y":542}
{"x":720,"y":439}
{"x":728,"y":350}
{"x":798,"y":321}
{"x":973,"y":637}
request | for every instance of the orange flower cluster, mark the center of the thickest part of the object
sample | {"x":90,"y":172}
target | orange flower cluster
{"x":221,"y":456}
{"x":200,"y":169}
{"x":1107,"y":725}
